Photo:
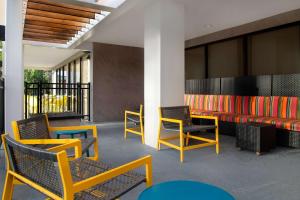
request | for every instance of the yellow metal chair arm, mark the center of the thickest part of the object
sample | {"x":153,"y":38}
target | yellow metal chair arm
{"x":177,"y":121}
{"x":132,"y":113}
{"x":47,"y":141}
{"x":95,"y":180}
{"x":63,"y":144}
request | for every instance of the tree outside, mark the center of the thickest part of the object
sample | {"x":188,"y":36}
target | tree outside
{"x":37,"y":76}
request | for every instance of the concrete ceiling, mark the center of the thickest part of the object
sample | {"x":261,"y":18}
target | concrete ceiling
{"x":125,"y":26}
{"x":45,"y":57}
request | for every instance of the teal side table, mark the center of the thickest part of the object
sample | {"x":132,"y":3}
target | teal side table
{"x":184,"y":190}
{"x":72,"y":133}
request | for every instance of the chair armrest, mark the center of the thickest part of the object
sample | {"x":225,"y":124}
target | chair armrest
{"x":70,"y":128}
{"x":76,"y":144}
{"x":63,"y":144}
{"x":132,"y":113}
{"x":47,"y":141}
{"x":206,"y":117}
{"x":176,"y":121}
{"x":95,"y":180}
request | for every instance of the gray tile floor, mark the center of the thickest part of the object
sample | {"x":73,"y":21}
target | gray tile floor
{"x":273,"y":176}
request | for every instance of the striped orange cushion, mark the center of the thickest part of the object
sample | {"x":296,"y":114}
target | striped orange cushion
{"x":274,"y":106}
{"x":242,"y":105}
{"x":288,"y":107}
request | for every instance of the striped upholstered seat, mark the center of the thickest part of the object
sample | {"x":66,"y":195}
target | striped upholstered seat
{"x":284,"y":112}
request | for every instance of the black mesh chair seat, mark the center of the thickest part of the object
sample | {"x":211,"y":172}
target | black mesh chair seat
{"x":85,"y":145}
{"x":178,"y":119}
{"x":133,"y":118}
{"x":137,"y":118}
{"x":84,"y":168}
{"x":196,"y":128}
{"x":53,"y":172}
{"x":37,"y":128}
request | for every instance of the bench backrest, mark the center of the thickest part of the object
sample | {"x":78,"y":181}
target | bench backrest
{"x":268,"y":106}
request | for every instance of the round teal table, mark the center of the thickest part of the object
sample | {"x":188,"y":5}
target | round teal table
{"x":72,"y":133}
{"x":184,"y":190}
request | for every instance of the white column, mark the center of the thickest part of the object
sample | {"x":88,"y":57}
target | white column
{"x":14,"y":72}
{"x":164,"y":62}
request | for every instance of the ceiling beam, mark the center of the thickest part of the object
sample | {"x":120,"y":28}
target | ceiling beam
{"x":45,"y":35}
{"x":45,"y":40}
{"x":84,"y":4}
{"x":47,"y":28}
{"x":52,"y":20}
{"x":61,"y":10}
{"x":48,"y":32}
{"x":56,"y":15}
{"x":54,"y":25}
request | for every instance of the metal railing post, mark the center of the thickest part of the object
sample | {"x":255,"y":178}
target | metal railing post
{"x":89,"y":101}
{"x":26,"y":101}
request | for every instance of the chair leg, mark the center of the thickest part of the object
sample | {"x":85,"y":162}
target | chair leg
{"x":158,"y":136}
{"x":125,"y":127}
{"x":181,"y":147}
{"x":143,"y":136}
{"x":8,"y":187}
{"x":217,"y":140}
{"x":142,"y":129}
{"x":187,"y":139}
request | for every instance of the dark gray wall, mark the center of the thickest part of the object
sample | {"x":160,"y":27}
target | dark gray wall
{"x":266,"y":23}
{"x":275,"y":52}
{"x":225,"y":59}
{"x":118,"y":77}
{"x":194,"y":63}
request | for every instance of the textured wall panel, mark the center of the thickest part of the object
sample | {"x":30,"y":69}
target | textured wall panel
{"x":286,"y":85}
{"x":246,"y":86}
{"x":203,"y":86}
{"x":118,"y":76}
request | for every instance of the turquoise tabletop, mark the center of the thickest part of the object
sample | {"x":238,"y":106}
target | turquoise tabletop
{"x":184,"y":190}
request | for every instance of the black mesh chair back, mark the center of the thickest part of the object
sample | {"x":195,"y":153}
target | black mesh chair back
{"x":176,"y":112}
{"x":35,"y":164}
{"x":35,"y":127}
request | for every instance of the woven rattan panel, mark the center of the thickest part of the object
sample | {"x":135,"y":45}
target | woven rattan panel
{"x":34,"y":128}
{"x":286,"y":85}
{"x":36,"y":165}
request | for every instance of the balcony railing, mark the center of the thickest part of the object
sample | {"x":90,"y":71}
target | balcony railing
{"x":57,"y":98}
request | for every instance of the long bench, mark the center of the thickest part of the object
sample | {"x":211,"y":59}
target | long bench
{"x":284,"y":112}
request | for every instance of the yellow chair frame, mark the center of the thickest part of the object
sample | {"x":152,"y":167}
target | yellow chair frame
{"x":185,"y":147}
{"x":135,"y":130}
{"x":58,"y":141}
{"x":70,"y":187}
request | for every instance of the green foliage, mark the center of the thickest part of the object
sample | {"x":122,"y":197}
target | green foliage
{"x":36,"y":76}
{"x":0,"y":51}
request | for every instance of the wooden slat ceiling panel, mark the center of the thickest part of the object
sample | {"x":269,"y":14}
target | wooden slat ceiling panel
{"x":47,"y":28}
{"x":55,"y":22}
{"x":56,"y":15}
{"x":64,"y":5}
{"x":45,"y":40}
{"x":61,"y":10}
{"x":48,"y":32}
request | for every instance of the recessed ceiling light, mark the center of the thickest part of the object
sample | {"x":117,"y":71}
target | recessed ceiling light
{"x":208,"y":25}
